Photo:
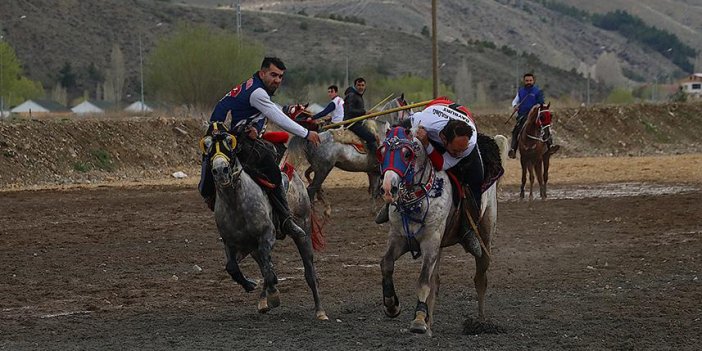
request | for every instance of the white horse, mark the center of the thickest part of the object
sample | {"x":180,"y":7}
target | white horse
{"x":423,"y":221}
{"x":245,"y":220}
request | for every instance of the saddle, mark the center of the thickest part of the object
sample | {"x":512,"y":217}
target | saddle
{"x":345,"y":136}
{"x":492,"y":166}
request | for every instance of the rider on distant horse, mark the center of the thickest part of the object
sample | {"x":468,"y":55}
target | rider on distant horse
{"x":448,"y":133}
{"x":355,"y":107}
{"x":335,"y":106}
{"x":527,"y":96}
{"x":250,"y":104}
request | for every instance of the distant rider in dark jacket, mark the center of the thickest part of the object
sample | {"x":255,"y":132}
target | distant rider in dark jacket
{"x":355,"y":107}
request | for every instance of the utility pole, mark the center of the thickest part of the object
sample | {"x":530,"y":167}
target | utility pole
{"x":141,"y":73}
{"x":2,"y":92}
{"x":434,"y":49}
{"x":588,"y":87}
{"x":238,"y":22}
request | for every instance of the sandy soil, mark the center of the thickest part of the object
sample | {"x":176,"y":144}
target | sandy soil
{"x":611,"y":261}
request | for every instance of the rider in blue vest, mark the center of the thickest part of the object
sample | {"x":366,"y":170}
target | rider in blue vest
{"x":250,"y":106}
{"x":527,"y":96}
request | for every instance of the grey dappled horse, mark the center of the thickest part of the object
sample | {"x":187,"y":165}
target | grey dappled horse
{"x":333,"y":153}
{"x":244,"y":218}
{"x":423,"y":210}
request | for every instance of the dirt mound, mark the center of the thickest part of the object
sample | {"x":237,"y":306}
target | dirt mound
{"x":67,"y":151}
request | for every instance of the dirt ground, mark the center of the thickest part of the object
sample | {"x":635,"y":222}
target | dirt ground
{"x":611,"y":261}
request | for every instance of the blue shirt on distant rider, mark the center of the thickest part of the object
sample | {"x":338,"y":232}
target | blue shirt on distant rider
{"x":526,"y":98}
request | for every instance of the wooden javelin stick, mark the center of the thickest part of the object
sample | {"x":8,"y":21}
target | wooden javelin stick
{"x":376,"y":114}
{"x":381,"y":102}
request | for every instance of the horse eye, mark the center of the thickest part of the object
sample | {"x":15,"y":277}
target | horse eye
{"x":407,"y":154}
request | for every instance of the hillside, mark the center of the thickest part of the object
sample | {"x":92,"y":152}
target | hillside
{"x":522,"y":25}
{"x":47,"y":34}
{"x":64,"y":151}
{"x":680,"y":17}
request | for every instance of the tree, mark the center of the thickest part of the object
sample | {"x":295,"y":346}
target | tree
{"x":197,"y":65}
{"x":115,"y":77}
{"x":15,"y":88}
{"x":67,"y":78}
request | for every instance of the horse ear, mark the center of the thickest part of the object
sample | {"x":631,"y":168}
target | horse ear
{"x":307,"y":104}
{"x":549,"y":105}
{"x":402,"y":96}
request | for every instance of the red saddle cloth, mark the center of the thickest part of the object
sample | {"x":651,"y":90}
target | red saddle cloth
{"x":287,"y":168}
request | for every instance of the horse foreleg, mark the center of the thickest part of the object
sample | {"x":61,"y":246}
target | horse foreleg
{"x":319,"y":176}
{"x":531,"y":182}
{"x":233,"y":258}
{"x":538,"y":167}
{"x":547,"y":163}
{"x":524,"y":170}
{"x":430,"y":246}
{"x":482,"y":264}
{"x":431,"y":301}
{"x":304,"y":246}
{"x":397,"y":246}
{"x":270,"y":297}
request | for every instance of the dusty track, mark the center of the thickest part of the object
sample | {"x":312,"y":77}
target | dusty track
{"x":113,"y":268}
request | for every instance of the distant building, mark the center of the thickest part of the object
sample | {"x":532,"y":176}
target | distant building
{"x":692,"y":85}
{"x":137,"y":107}
{"x":89,"y":106}
{"x":40,"y":106}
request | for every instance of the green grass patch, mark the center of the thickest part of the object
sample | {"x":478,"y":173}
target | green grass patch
{"x":103,"y":160}
{"x":81,"y":167}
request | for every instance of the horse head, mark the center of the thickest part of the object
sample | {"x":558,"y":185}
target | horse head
{"x":300,"y":114}
{"x":394,"y":118}
{"x":402,"y":159}
{"x":539,"y":121}
{"x":219,"y":145}
{"x":543,"y":120}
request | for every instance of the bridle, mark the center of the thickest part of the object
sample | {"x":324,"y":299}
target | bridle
{"x":543,"y":121}
{"x":398,"y":154}
{"x":219,"y":143}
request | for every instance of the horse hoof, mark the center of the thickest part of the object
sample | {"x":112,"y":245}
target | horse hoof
{"x":250,"y":285}
{"x":263,"y":306}
{"x":392,"y":307}
{"x":274,"y":299}
{"x":419,"y":326}
{"x":322,"y":316}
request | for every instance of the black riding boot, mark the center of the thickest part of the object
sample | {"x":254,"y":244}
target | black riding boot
{"x":470,"y":239}
{"x":280,"y":205}
{"x":513,"y":143}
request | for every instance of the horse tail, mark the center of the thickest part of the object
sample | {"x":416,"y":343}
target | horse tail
{"x":503,"y":145}
{"x":318,"y":241}
{"x":297,"y":149}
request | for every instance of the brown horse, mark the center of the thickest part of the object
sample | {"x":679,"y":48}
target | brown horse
{"x":533,"y":152}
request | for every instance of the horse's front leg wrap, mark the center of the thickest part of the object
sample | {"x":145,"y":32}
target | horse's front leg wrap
{"x":421,"y":311}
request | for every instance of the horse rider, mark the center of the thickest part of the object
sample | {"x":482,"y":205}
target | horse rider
{"x":335,"y":106}
{"x":527,"y":96}
{"x":355,"y":107}
{"x":250,"y":106}
{"x":449,"y":135}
